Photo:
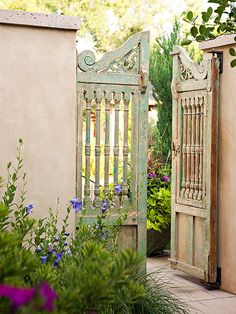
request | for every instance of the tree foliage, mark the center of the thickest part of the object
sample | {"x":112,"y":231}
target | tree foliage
{"x":99,"y":19}
{"x":161,"y":76}
{"x":213,"y":22}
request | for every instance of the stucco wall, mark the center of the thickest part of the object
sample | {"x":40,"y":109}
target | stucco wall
{"x":227,"y":168}
{"x":38,"y":104}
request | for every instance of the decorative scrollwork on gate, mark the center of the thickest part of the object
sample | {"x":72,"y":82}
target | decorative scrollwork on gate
{"x":129,"y":63}
{"x":124,"y":59}
{"x":190,"y":69}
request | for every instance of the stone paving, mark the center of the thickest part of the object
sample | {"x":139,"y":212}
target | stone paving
{"x":191,"y":291}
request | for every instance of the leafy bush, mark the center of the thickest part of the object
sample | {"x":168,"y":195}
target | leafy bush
{"x":44,"y":269}
{"x":159,"y":199}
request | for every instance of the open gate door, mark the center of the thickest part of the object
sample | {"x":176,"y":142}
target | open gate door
{"x":112,"y":135}
{"x":194,"y":160}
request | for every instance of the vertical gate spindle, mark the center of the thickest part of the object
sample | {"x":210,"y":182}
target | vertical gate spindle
{"x":201,"y":147}
{"x":107,"y":144}
{"x":87,"y":153}
{"x":197,"y":149}
{"x":116,"y":149}
{"x":97,"y":152}
{"x":188,"y":148}
{"x":184,"y":159}
{"x":125,"y":200}
{"x":193,"y":133}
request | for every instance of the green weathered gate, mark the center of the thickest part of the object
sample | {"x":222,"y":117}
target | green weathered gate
{"x":112,"y":133}
{"x":194,"y":173}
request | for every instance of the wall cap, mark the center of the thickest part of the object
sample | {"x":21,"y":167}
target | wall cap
{"x":222,"y":40}
{"x":39,"y":19}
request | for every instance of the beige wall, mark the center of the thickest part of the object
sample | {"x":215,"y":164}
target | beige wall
{"x":227,"y":171}
{"x":38,"y":104}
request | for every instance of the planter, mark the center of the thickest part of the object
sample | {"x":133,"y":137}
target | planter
{"x":157,"y":241}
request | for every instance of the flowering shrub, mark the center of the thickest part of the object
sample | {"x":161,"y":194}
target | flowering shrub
{"x":159,"y":199}
{"x":44,"y":269}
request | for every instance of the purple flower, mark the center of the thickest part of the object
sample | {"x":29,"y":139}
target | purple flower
{"x":56,"y":239}
{"x":76,"y":204}
{"x":104,"y":206}
{"x":18,"y":296}
{"x":48,"y":295}
{"x":22,"y":296}
{"x":66,"y":234}
{"x":165,"y":179}
{"x":59,"y":256}
{"x":28,"y":209}
{"x":68,"y":251}
{"x":38,"y":249}
{"x":152,"y":175}
{"x":51,"y":250}
{"x":44,"y":259}
{"x":103,"y":234}
{"x":65,"y":243}
{"x":118,"y":189}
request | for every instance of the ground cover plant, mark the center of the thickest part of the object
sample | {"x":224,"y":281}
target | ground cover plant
{"x":45,"y":269}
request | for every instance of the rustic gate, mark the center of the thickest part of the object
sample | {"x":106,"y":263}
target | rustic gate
{"x":194,"y":177}
{"x":112,"y":134}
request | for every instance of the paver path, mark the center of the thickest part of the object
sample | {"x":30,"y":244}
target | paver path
{"x":189,"y":289}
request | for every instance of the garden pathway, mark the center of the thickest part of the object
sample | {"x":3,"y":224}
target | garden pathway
{"x":189,"y":289}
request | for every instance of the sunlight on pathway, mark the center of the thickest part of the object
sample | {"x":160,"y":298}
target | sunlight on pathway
{"x":189,"y":289}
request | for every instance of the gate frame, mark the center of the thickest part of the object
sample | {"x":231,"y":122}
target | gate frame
{"x":94,"y":73}
{"x":203,"y":77}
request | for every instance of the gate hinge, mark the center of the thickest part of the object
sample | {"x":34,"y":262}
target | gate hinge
{"x":220,"y":56}
{"x":144,"y":80}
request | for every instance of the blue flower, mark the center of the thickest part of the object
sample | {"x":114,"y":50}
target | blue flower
{"x":103,"y":234}
{"x":56,"y":239}
{"x":66,"y":234}
{"x":52,"y":250}
{"x":44,"y":259}
{"x":104,"y":206}
{"x":65,"y":243}
{"x":59,"y":256}
{"x":76,"y":204}
{"x":118,"y":189}
{"x":68,"y":251}
{"x":38,"y":249}
{"x":28,"y":209}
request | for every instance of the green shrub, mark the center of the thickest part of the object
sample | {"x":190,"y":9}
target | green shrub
{"x":159,"y":199}
{"x":44,"y":269}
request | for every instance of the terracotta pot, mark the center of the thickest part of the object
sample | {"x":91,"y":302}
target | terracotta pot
{"x":157,"y":241}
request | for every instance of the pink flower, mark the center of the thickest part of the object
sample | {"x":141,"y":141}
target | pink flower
{"x":48,"y":295}
{"x":22,"y":296}
{"x":18,"y":296}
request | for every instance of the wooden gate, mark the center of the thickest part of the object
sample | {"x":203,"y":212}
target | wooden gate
{"x":194,"y":177}
{"x":112,"y":134}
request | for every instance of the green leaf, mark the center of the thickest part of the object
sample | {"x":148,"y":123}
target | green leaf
{"x":233,"y":63}
{"x":200,"y":38}
{"x":186,"y":42}
{"x":209,"y":11}
{"x":232,"y":52}
{"x":205,"y":17}
{"x":203,"y":31}
{"x":3,"y":210}
{"x":190,"y":15}
{"x":194,"y":31}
